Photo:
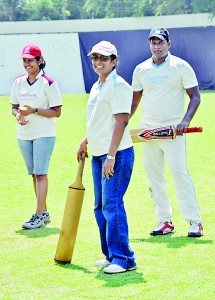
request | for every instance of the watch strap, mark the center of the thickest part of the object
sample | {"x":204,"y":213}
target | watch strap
{"x":110,"y":156}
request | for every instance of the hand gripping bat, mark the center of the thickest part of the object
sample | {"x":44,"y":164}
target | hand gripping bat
{"x":161,"y":133}
{"x":71,"y":219}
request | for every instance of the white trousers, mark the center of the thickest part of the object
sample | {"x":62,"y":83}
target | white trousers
{"x":154,"y":153}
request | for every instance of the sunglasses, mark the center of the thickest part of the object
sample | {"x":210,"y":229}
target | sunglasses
{"x":102,"y":58}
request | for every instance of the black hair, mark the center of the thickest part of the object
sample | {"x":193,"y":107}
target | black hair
{"x":113,"y":56}
{"x":43,"y":63}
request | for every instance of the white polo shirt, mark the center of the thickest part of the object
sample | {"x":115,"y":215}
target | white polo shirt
{"x":114,"y":96}
{"x":43,"y":93}
{"x":163,"y":89}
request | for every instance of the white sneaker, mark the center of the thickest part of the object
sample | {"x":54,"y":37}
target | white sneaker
{"x":36,"y":221}
{"x":163,"y":228}
{"x":46,"y":217}
{"x":196,"y":229}
{"x":102,"y":263}
{"x":114,"y":269}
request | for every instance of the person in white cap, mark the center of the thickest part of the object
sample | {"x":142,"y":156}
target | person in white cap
{"x":162,"y":80}
{"x":108,"y":111}
{"x":36,"y":101}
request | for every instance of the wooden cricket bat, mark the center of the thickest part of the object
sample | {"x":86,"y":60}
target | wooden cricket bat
{"x":71,"y":219}
{"x":161,"y":133}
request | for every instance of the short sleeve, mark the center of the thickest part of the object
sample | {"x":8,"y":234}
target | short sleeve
{"x":136,"y":85}
{"x":121,"y":99}
{"x":53,"y":95}
{"x":189,"y":79}
{"x":13,"y":97}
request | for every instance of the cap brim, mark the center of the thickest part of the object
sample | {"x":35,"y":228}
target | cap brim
{"x":102,"y":52}
{"x":26,"y":56}
{"x":161,"y":37}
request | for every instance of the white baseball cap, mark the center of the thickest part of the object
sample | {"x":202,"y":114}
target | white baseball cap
{"x":103,"y":48}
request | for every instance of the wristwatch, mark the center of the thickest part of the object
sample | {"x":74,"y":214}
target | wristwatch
{"x":110,"y":157}
{"x":36,"y":111}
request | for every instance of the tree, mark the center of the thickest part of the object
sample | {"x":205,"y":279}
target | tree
{"x":12,"y":10}
{"x":30,"y":10}
{"x":119,"y":9}
{"x":41,"y":10}
{"x":95,"y":8}
{"x":109,"y":8}
{"x":172,"y":7}
{"x":206,"y":6}
{"x":144,"y":8}
{"x":76,"y":10}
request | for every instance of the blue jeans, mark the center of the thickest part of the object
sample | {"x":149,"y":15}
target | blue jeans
{"x":109,"y":207}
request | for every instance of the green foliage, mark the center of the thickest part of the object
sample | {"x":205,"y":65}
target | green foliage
{"x":169,"y":267}
{"x":144,"y":8}
{"x":13,"y":10}
{"x":95,"y":8}
{"x":28,"y":10}
{"x":172,"y":7}
{"x":108,"y":9}
{"x":44,"y":10}
{"x":204,"y":6}
{"x":76,"y":9}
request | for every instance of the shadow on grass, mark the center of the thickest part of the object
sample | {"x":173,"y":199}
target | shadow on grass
{"x":111,"y":280}
{"x":73,"y":267}
{"x":173,"y":242}
{"x":39,"y":232}
{"x":117,"y":280}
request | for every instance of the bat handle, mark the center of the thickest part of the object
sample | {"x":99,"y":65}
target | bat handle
{"x":78,"y":180}
{"x":194,"y":129}
{"x":80,"y":168}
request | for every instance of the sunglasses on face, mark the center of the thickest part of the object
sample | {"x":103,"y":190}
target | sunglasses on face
{"x":101,"y":57}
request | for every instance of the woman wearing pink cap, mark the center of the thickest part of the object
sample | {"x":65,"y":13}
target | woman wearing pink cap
{"x":36,"y":101}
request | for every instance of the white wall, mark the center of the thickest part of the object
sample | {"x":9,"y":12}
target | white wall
{"x":61,"y":53}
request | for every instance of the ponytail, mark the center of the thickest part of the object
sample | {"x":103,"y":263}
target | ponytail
{"x":43,"y":63}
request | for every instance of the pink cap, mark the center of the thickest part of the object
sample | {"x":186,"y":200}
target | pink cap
{"x":104,"y":48}
{"x":31,"y":51}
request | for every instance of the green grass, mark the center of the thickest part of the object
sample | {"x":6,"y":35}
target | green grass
{"x":169,"y":267}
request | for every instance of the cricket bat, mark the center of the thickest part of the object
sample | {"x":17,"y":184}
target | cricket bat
{"x":168,"y":132}
{"x":71,"y":219}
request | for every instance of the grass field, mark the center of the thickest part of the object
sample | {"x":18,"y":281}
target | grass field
{"x":169,"y":267}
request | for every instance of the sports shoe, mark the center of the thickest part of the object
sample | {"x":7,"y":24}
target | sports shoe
{"x":163,"y":228}
{"x":46,"y":217}
{"x":196,"y":229}
{"x":102,"y":263}
{"x":36,"y":221}
{"x":113,"y":269}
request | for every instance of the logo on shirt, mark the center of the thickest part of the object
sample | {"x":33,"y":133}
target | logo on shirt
{"x":161,"y":79}
{"x":27,"y":95}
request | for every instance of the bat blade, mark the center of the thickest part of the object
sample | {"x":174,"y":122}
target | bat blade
{"x":168,"y":132}
{"x":71,"y":217}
